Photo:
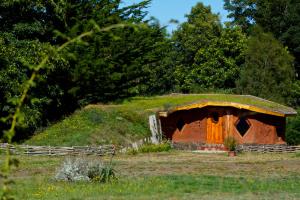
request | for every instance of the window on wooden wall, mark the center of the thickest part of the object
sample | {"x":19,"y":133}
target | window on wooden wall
{"x":242,"y":126}
{"x":180,"y":124}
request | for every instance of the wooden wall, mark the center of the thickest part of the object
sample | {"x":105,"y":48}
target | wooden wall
{"x":200,"y":126}
{"x":194,"y":129}
{"x":264,"y":129}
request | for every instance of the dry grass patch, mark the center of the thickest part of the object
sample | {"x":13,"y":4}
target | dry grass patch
{"x":247,"y":165}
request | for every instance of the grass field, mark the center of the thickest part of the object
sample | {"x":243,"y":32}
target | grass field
{"x":122,"y":123}
{"x":172,"y":175}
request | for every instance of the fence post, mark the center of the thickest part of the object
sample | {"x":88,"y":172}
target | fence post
{"x":49,"y":150}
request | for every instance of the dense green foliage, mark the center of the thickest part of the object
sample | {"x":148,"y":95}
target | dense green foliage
{"x":267,"y":69}
{"x":151,"y":148}
{"x":109,"y":66}
{"x":208,"y":55}
{"x":127,"y":66}
{"x":293,"y":130}
{"x":217,"y":66}
{"x":242,"y":12}
{"x":280,"y":17}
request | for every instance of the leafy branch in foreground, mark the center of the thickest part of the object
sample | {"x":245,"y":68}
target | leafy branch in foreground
{"x":10,"y":133}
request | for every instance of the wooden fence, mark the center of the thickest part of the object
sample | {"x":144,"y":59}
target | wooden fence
{"x":268,"y":148}
{"x":59,"y":151}
{"x":110,"y":149}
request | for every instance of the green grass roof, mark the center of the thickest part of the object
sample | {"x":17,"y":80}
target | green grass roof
{"x":247,"y":100}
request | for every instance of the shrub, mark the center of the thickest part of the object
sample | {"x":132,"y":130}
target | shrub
{"x":293,"y":130}
{"x":107,"y":174}
{"x":132,"y":151}
{"x":147,"y":148}
{"x":79,"y":169}
{"x":230,"y":143}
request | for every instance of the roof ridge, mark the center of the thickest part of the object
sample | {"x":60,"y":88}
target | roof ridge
{"x":265,"y":100}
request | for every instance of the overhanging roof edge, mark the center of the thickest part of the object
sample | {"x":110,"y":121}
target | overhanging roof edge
{"x":228,"y":104}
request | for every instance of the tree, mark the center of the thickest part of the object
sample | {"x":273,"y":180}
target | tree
{"x":293,"y":130}
{"x":280,"y":17}
{"x":28,"y":19}
{"x":15,"y":58}
{"x":116,"y":68}
{"x":106,"y":67}
{"x":208,"y":56}
{"x":242,"y":12}
{"x":218,"y":65}
{"x":268,"y":71}
{"x":201,"y":28}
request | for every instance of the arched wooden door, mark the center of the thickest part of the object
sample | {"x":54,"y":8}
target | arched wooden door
{"x":215,"y":128}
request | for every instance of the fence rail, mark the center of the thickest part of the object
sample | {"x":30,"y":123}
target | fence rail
{"x":262,"y":148}
{"x":110,"y":149}
{"x":268,"y":148}
{"x":59,"y":151}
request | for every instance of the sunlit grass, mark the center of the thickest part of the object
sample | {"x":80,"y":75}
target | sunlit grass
{"x":167,"y":187}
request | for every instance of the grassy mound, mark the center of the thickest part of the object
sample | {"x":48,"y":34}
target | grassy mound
{"x":93,"y":125}
{"x":102,"y":124}
{"x":117,"y":124}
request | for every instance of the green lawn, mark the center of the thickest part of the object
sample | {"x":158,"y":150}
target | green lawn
{"x":173,"y":175}
{"x":122,"y":123}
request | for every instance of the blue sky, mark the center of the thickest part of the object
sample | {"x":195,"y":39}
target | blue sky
{"x":165,"y":10}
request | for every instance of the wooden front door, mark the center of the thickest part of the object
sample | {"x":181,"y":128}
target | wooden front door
{"x":215,"y":128}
